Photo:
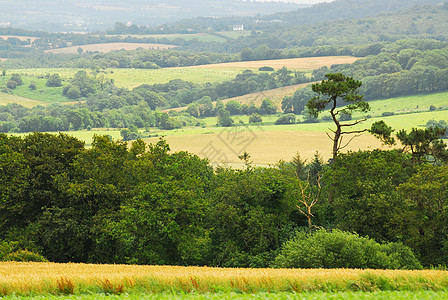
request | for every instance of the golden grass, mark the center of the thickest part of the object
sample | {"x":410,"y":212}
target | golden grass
{"x":8,"y":98}
{"x":264,"y":147}
{"x":43,"y":278}
{"x":303,"y":64}
{"x":108,"y":47}
{"x":22,"y":38}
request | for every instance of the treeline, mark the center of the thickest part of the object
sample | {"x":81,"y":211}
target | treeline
{"x":142,"y":204}
{"x":136,"y":59}
{"x":406,"y":67}
{"x":107,"y":106}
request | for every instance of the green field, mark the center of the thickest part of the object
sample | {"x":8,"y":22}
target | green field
{"x":274,"y":296}
{"x":42,"y":93}
{"x":409,"y":104}
{"x":130,"y":78}
{"x":235,"y":34}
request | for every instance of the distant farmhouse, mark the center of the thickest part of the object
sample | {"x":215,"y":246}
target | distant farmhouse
{"x":238,"y":27}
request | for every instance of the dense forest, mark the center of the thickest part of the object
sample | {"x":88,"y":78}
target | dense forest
{"x":115,"y":203}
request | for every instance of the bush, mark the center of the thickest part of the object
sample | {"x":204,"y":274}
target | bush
{"x":25,"y":256}
{"x":255,"y":118}
{"x":286,"y":119}
{"x":11,"y":84}
{"x":54,"y":81}
{"x":387,"y":114}
{"x":9,"y":251}
{"x":73,"y":93}
{"x":17,"y":78}
{"x":266,"y":69}
{"x":338,"y":249}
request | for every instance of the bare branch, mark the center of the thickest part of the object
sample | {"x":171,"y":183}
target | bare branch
{"x":355,"y":131}
{"x":348,"y":142}
{"x":354,"y":123}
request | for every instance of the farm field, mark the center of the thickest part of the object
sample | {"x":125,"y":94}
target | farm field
{"x":235,"y":34}
{"x":201,"y":37}
{"x":266,"y":144}
{"x":22,"y":38}
{"x":42,"y":94}
{"x":86,"y":135}
{"x":130,"y":78}
{"x":80,"y":279}
{"x":108,"y":47}
{"x":408,"y":104}
{"x":300,"y":64}
{"x":8,"y":98}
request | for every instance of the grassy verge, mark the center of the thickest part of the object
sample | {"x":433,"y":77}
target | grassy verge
{"x":79,"y":279}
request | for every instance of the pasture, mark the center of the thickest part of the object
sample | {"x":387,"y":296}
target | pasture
{"x":80,"y":279}
{"x":42,"y":93}
{"x":108,"y":47}
{"x":130,"y":78}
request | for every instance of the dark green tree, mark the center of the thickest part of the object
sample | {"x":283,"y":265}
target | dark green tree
{"x":54,"y":81}
{"x":267,"y":107}
{"x":330,"y":93}
{"x":224,"y":118}
{"x":423,"y":143}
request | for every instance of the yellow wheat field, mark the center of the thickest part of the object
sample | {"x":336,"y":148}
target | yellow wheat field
{"x":41,"y":278}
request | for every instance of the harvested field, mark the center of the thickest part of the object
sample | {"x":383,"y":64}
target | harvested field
{"x":302,"y":64}
{"x":264,"y":147}
{"x":22,"y":38}
{"x":108,"y":47}
{"x":7,"y":98}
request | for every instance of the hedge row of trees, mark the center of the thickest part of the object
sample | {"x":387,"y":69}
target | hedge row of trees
{"x":406,"y":68}
{"x":115,"y":203}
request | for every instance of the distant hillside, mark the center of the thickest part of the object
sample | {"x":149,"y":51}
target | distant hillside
{"x":345,"y":9}
{"x":426,"y":21}
{"x":336,"y":10}
{"x":89,"y":15}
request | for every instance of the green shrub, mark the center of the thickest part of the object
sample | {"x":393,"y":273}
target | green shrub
{"x":338,"y":249}
{"x":24,"y":255}
{"x":255,"y":118}
{"x":9,"y":251}
{"x":286,"y":119}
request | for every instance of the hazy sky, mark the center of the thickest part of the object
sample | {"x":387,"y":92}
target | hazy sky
{"x":300,"y":1}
